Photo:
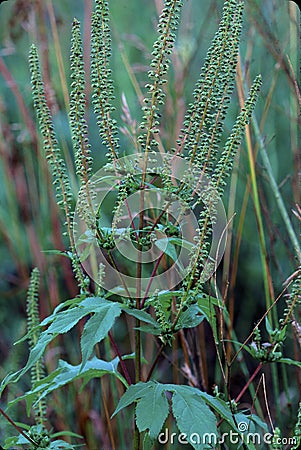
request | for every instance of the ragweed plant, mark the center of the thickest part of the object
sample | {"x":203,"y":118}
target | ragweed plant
{"x":33,"y":321}
{"x":165,"y":239}
{"x":37,"y":435}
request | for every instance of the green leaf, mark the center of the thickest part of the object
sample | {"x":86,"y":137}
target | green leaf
{"x":194,"y":418}
{"x":165,"y":295}
{"x":34,"y":356}
{"x":150,"y":329}
{"x":22,"y":440}
{"x":168,"y":248}
{"x":10,"y":442}
{"x":249,"y":430}
{"x":65,"y":320}
{"x":289,"y":361}
{"x":191,"y":412}
{"x":151,"y":326}
{"x":282,"y":333}
{"x":247,"y":426}
{"x":66,"y":373}
{"x":121,"y":291}
{"x":206,"y":303}
{"x":182,"y":243}
{"x":257,"y":420}
{"x":190,"y":318}
{"x":58,"y":252}
{"x":268,"y":326}
{"x":141,"y":315}
{"x":73,"y":302}
{"x":66,"y":433}
{"x":219,"y":406}
{"x":152,"y":410}
{"x":133,"y":393}
{"x":62,"y":322}
{"x":98,"y":327}
{"x":57,"y":445}
{"x":165,"y":246}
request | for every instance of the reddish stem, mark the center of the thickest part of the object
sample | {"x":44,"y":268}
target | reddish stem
{"x":18,"y":428}
{"x":155,"y":363}
{"x":123,"y":366}
{"x":151,"y":279}
{"x":249,"y":382}
{"x":246,"y":386}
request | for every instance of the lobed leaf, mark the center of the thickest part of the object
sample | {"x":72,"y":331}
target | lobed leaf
{"x":194,"y":418}
{"x":66,"y":373}
{"x":62,"y":322}
{"x":190,"y":318}
{"x":189,"y":409}
{"x":98,"y":327}
{"x":152,"y":410}
{"x":141,"y":315}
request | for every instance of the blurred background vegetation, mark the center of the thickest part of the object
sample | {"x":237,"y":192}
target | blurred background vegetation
{"x":31,"y":224}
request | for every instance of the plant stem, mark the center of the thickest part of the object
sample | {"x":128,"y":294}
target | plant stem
{"x":138,"y":293}
{"x":250,"y":380}
{"x":136,"y":438}
{"x":138,"y":306}
{"x":155,"y":363}
{"x":137,"y":376}
{"x":18,"y":428}
{"x":123,"y":366}
{"x":119,"y":273}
